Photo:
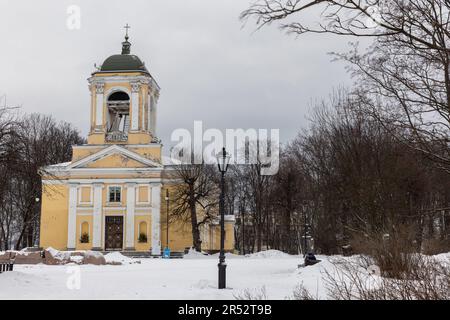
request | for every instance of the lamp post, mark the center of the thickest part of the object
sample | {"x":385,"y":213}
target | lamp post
{"x":223,"y":159}
{"x":167,"y":218}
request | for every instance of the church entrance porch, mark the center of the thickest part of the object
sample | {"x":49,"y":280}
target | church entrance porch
{"x":113,"y":233}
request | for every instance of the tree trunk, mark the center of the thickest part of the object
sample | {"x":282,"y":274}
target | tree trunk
{"x":196,"y":241}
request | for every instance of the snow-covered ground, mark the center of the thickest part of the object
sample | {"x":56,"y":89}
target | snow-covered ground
{"x":194,"y":277}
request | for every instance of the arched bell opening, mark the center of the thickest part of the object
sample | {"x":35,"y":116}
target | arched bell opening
{"x":118,"y":117}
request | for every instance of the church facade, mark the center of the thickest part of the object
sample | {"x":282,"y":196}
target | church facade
{"x":112,"y":195}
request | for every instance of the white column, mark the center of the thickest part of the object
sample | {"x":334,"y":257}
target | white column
{"x":156,"y":217}
{"x":145,"y":111}
{"x":135,"y":106}
{"x":97,"y":217}
{"x":131,"y":199}
{"x":99,"y":89}
{"x":153,"y":115}
{"x":72,"y":218}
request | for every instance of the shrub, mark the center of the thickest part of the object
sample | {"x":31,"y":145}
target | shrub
{"x":425,"y":278}
{"x":142,"y":238}
{"x":84,"y":238}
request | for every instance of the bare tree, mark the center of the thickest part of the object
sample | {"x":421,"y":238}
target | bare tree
{"x":34,"y":142}
{"x":195,"y":198}
{"x":405,"y":73}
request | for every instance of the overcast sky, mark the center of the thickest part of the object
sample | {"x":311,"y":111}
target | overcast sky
{"x":208,"y":65}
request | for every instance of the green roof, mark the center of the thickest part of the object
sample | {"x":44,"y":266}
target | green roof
{"x":123,"y":62}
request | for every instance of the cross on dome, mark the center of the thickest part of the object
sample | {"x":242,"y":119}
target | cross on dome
{"x":126,"y":28}
{"x":126,"y":45}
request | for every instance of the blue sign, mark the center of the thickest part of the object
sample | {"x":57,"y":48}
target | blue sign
{"x":166,"y":253}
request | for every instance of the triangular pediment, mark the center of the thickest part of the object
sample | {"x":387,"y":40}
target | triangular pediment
{"x":115,"y":157}
{"x":115,"y":161}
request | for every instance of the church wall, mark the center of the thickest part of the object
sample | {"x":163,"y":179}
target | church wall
{"x":54,"y":217}
{"x":153,"y":153}
{"x":180,"y":236}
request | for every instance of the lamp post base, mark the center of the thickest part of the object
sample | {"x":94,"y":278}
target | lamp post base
{"x":222,"y":275}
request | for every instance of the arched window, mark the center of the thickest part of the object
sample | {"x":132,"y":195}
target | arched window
{"x":142,"y":232}
{"x":118,"y":118}
{"x":119,"y":96}
{"x":84,"y":237}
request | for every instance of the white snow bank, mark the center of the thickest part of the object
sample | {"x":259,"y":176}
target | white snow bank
{"x":77,"y":259}
{"x":118,"y":258}
{"x":93,"y":254}
{"x":203,"y":255}
{"x":269,"y":254}
{"x":59,"y":255}
{"x":193,"y":254}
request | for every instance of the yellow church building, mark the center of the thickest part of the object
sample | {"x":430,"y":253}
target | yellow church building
{"x":111,"y":196}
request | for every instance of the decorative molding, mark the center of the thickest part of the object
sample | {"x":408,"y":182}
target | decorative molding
{"x":149,"y":195}
{"x":80,"y":194}
{"x":84,"y":214}
{"x":156,"y":181}
{"x":116,"y":89}
{"x":135,"y":87}
{"x":99,"y":87}
{"x":114,"y":208}
{"x":96,"y":146}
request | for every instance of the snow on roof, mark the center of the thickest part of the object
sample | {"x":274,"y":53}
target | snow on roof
{"x":230,"y":217}
{"x":169,"y":161}
{"x":63,"y":164}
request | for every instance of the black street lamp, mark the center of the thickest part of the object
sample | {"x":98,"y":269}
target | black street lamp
{"x":223,"y":159}
{"x":167,"y":219}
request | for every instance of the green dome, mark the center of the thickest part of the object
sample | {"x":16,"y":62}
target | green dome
{"x":123,"y":62}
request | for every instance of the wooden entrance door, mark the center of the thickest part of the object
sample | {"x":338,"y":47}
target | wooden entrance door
{"x":114,"y":233}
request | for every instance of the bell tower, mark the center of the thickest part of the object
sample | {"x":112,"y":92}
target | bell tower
{"x":124,"y":99}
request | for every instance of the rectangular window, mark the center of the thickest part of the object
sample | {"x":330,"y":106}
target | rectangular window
{"x":114,"y":194}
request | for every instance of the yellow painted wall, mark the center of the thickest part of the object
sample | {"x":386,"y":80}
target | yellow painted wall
{"x":143,"y":194}
{"x":81,"y":153}
{"x":54,"y":216}
{"x":150,"y":152}
{"x":85,"y":195}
